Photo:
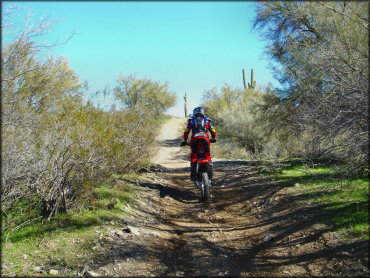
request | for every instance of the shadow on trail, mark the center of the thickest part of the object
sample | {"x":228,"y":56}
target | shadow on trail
{"x":170,"y":143}
{"x":181,"y":195}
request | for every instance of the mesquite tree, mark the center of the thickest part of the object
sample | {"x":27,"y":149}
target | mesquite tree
{"x":322,"y":49}
{"x":144,"y":95}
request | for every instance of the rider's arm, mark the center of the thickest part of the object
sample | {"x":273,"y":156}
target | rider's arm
{"x":187,"y":130}
{"x":211,"y":128}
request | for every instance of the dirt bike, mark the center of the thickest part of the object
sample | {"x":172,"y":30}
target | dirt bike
{"x":204,"y":172}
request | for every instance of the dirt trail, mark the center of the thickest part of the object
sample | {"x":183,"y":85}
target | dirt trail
{"x":251,"y":228}
{"x":169,"y":150}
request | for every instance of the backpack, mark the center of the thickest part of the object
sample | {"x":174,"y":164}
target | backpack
{"x":199,"y":124}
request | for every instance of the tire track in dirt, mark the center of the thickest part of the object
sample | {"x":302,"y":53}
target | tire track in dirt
{"x":252,"y":226}
{"x":205,"y":241}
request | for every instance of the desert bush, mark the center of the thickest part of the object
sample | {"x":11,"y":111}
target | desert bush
{"x":229,"y":149}
{"x":55,"y":145}
{"x":214,"y":100}
{"x":240,"y":118}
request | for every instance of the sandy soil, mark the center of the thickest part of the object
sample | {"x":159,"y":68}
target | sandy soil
{"x":169,"y":151}
{"x":252,"y":227}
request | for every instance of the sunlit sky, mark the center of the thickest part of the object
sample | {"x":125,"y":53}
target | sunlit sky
{"x":193,"y":46}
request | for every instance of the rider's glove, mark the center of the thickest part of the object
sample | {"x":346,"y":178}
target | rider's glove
{"x":183,"y":143}
{"x":213,"y":140}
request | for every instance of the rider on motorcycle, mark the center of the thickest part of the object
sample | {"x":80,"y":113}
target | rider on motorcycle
{"x":199,"y":124}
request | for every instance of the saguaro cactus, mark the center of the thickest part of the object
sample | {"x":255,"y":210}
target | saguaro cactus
{"x":186,"y":105}
{"x":244,"y":83}
{"x":252,"y":85}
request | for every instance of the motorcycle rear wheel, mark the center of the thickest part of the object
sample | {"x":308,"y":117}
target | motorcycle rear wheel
{"x":205,"y":187}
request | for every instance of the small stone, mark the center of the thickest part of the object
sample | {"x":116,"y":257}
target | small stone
{"x":119,"y":233}
{"x":133,"y":230}
{"x":102,"y":268}
{"x":91,"y":274}
{"x":156,"y":234}
{"x":267,"y":238}
{"x":346,"y":253}
{"x":297,"y":245}
{"x":25,"y":256}
{"x":37,"y":269}
{"x":53,"y":272}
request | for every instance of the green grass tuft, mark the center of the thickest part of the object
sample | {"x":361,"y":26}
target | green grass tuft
{"x":66,"y":241}
{"x":344,"y":201}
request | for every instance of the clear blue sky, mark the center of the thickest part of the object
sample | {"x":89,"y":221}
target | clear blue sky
{"x":194,"y":46}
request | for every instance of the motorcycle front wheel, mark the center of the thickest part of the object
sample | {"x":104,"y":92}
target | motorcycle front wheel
{"x":205,"y":187}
